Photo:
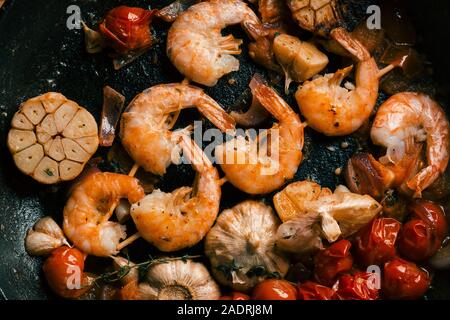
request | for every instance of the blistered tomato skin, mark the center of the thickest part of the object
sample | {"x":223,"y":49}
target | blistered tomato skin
{"x":313,"y":291}
{"x":127,"y":29}
{"x":404,"y":280}
{"x":63,"y":270}
{"x":359,"y":286}
{"x":274,"y":289}
{"x":331,"y":262}
{"x":422,"y":236}
{"x":375,"y":244}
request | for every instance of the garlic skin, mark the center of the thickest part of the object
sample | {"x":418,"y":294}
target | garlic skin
{"x":241,"y":246}
{"x":180,"y":280}
{"x":44,"y":237}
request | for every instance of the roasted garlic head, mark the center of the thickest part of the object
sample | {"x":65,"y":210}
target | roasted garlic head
{"x":241,"y":246}
{"x":52,"y":138}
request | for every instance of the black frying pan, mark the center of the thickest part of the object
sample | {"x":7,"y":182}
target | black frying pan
{"x":39,"y":54}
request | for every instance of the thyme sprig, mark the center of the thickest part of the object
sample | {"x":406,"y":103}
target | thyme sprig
{"x":123,"y":271}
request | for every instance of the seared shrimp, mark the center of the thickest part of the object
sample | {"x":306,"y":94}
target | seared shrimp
{"x":180,"y":219}
{"x":402,"y":124}
{"x":146,"y":124}
{"x":254,"y":167}
{"x":195,"y":44}
{"x":332,"y":109}
{"x":89,"y":208}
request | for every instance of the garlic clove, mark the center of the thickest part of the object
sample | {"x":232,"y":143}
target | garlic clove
{"x":38,"y":243}
{"x":133,"y":273}
{"x":48,"y":226}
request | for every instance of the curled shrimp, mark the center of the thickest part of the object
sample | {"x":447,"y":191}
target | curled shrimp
{"x":261,"y":165}
{"x":89,"y":208}
{"x":180,"y":219}
{"x":146,"y":124}
{"x":334,"y":110}
{"x":403,"y":124}
{"x":195,"y":44}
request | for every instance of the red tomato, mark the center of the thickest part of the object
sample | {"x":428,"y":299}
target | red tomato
{"x":235,"y":296}
{"x":274,"y":289}
{"x":375,"y":243}
{"x":404,"y":280}
{"x":332,"y":261}
{"x":314,"y":291}
{"x":126,"y":28}
{"x":422,"y":236}
{"x":358,"y":286}
{"x":63,"y":270}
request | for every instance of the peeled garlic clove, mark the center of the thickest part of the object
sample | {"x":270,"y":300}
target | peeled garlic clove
{"x":48,"y":226}
{"x":133,"y":273}
{"x":38,"y":243}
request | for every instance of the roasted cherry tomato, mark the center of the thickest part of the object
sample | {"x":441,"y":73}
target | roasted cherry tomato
{"x":314,"y":291}
{"x":274,"y":289}
{"x":359,"y":286}
{"x":63,"y":270}
{"x":127,"y":29}
{"x":375,"y":243}
{"x":404,"y":280}
{"x":332,"y":261}
{"x":235,"y":296}
{"x":422,"y":236}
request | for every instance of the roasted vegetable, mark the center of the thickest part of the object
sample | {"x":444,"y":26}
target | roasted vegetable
{"x":52,"y":138}
{"x":241,"y":246}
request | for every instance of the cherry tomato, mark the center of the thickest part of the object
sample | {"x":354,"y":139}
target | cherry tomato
{"x":126,"y":28}
{"x":404,"y":280}
{"x":375,"y":243}
{"x":235,"y":296}
{"x":332,"y":261}
{"x":358,"y":286}
{"x":274,"y":289}
{"x":314,"y":291}
{"x":63,"y":270}
{"x":422,"y":236}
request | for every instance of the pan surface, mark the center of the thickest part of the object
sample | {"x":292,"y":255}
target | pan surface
{"x":38,"y":53}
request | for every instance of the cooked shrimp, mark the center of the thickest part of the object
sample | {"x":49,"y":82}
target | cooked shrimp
{"x":195,"y":44}
{"x":332,"y":109}
{"x":180,"y":219}
{"x":89,"y":208}
{"x":146,"y":124}
{"x":402,"y":124}
{"x":253,"y":167}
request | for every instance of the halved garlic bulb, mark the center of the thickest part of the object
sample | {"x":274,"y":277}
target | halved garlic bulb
{"x":241,"y":246}
{"x":52,"y":138}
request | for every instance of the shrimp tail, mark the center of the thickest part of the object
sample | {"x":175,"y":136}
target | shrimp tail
{"x":194,"y":154}
{"x":353,"y":46}
{"x":422,"y":180}
{"x":270,"y":100}
{"x":340,"y":75}
{"x":214,"y":113}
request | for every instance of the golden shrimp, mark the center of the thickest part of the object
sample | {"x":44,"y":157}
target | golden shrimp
{"x":334,"y":110}
{"x":254,"y":167}
{"x":195,"y":44}
{"x":403,"y":124}
{"x":145,"y":126}
{"x":180,"y":219}
{"x":89,"y":208}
